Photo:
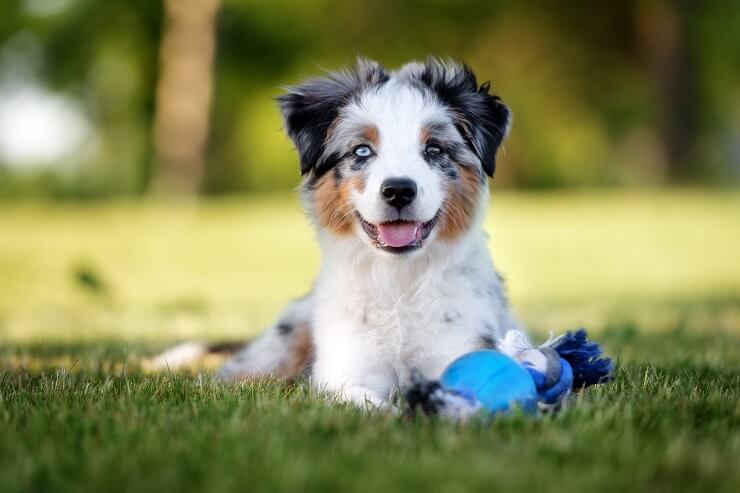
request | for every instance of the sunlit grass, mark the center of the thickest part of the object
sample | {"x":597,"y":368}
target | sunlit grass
{"x":223,"y":268}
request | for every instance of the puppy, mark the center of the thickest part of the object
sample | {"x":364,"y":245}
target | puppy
{"x":395,"y":167}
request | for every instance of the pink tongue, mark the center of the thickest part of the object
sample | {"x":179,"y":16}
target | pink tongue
{"x":397,"y":235}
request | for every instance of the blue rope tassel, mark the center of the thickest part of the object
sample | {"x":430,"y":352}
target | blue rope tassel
{"x":584,"y":357}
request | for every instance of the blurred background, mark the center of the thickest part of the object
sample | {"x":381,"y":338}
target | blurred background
{"x":110,"y":98}
{"x":145,"y":183}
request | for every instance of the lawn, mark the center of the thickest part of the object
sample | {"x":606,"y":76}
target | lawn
{"x":87,"y":291}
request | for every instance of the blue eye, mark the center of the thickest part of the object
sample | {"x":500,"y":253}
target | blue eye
{"x":433,"y":150}
{"x":363,"y":151}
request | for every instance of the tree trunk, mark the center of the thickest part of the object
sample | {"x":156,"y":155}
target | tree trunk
{"x":183,"y":98}
{"x":664,"y":41}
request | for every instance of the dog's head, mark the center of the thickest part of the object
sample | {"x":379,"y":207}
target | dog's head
{"x":397,"y":158}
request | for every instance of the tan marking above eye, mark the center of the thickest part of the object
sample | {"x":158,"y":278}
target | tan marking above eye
{"x":371,"y":135}
{"x":434,"y":131}
{"x":426,"y":135}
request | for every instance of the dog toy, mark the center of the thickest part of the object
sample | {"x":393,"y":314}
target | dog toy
{"x":516,"y":375}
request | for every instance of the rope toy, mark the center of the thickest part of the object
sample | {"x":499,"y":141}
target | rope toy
{"x":515,"y":376}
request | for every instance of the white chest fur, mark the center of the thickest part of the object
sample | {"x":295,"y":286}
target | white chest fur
{"x":378,"y":319}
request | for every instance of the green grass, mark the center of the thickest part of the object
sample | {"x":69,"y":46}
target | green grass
{"x":666,"y":427}
{"x":87,"y":291}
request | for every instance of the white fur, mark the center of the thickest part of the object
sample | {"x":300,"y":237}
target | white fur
{"x":400,"y":113}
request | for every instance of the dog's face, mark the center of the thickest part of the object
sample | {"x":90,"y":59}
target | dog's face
{"x":398,"y":159}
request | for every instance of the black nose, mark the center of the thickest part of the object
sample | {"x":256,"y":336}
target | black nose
{"x":398,"y":192}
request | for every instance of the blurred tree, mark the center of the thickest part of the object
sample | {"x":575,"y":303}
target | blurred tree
{"x":183,"y":109}
{"x":665,"y":49}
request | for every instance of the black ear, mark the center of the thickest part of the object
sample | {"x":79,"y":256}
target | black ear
{"x":482,"y":118}
{"x":310,"y":109}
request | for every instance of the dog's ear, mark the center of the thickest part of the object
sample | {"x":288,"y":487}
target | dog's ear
{"x":481,"y":117}
{"x":309,"y":110}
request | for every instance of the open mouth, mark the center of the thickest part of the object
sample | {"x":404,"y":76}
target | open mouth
{"x":398,"y":236}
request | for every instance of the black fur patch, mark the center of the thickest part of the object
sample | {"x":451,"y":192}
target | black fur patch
{"x":445,"y":163}
{"x":357,"y":163}
{"x":487,"y":342}
{"x":284,"y":328}
{"x":310,"y":108}
{"x":338,"y":175}
{"x":450,"y":171}
{"x":482,"y":118}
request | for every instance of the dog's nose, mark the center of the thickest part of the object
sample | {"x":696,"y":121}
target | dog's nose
{"x":398,"y":192}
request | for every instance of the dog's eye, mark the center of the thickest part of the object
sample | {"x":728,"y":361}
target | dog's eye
{"x":363,"y":151}
{"x":433,"y":150}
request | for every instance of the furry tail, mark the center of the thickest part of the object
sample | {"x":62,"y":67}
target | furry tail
{"x":188,"y":353}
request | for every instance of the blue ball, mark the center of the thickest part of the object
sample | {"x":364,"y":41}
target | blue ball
{"x":497,"y":381}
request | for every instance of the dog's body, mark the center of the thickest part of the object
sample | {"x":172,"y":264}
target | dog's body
{"x":394,"y":168}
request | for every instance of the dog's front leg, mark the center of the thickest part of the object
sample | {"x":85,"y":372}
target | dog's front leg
{"x":362,"y":396}
{"x":368,"y":388}
{"x":348,"y":368}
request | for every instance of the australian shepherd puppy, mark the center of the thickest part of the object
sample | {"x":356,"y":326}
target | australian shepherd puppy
{"x":395,"y":167}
